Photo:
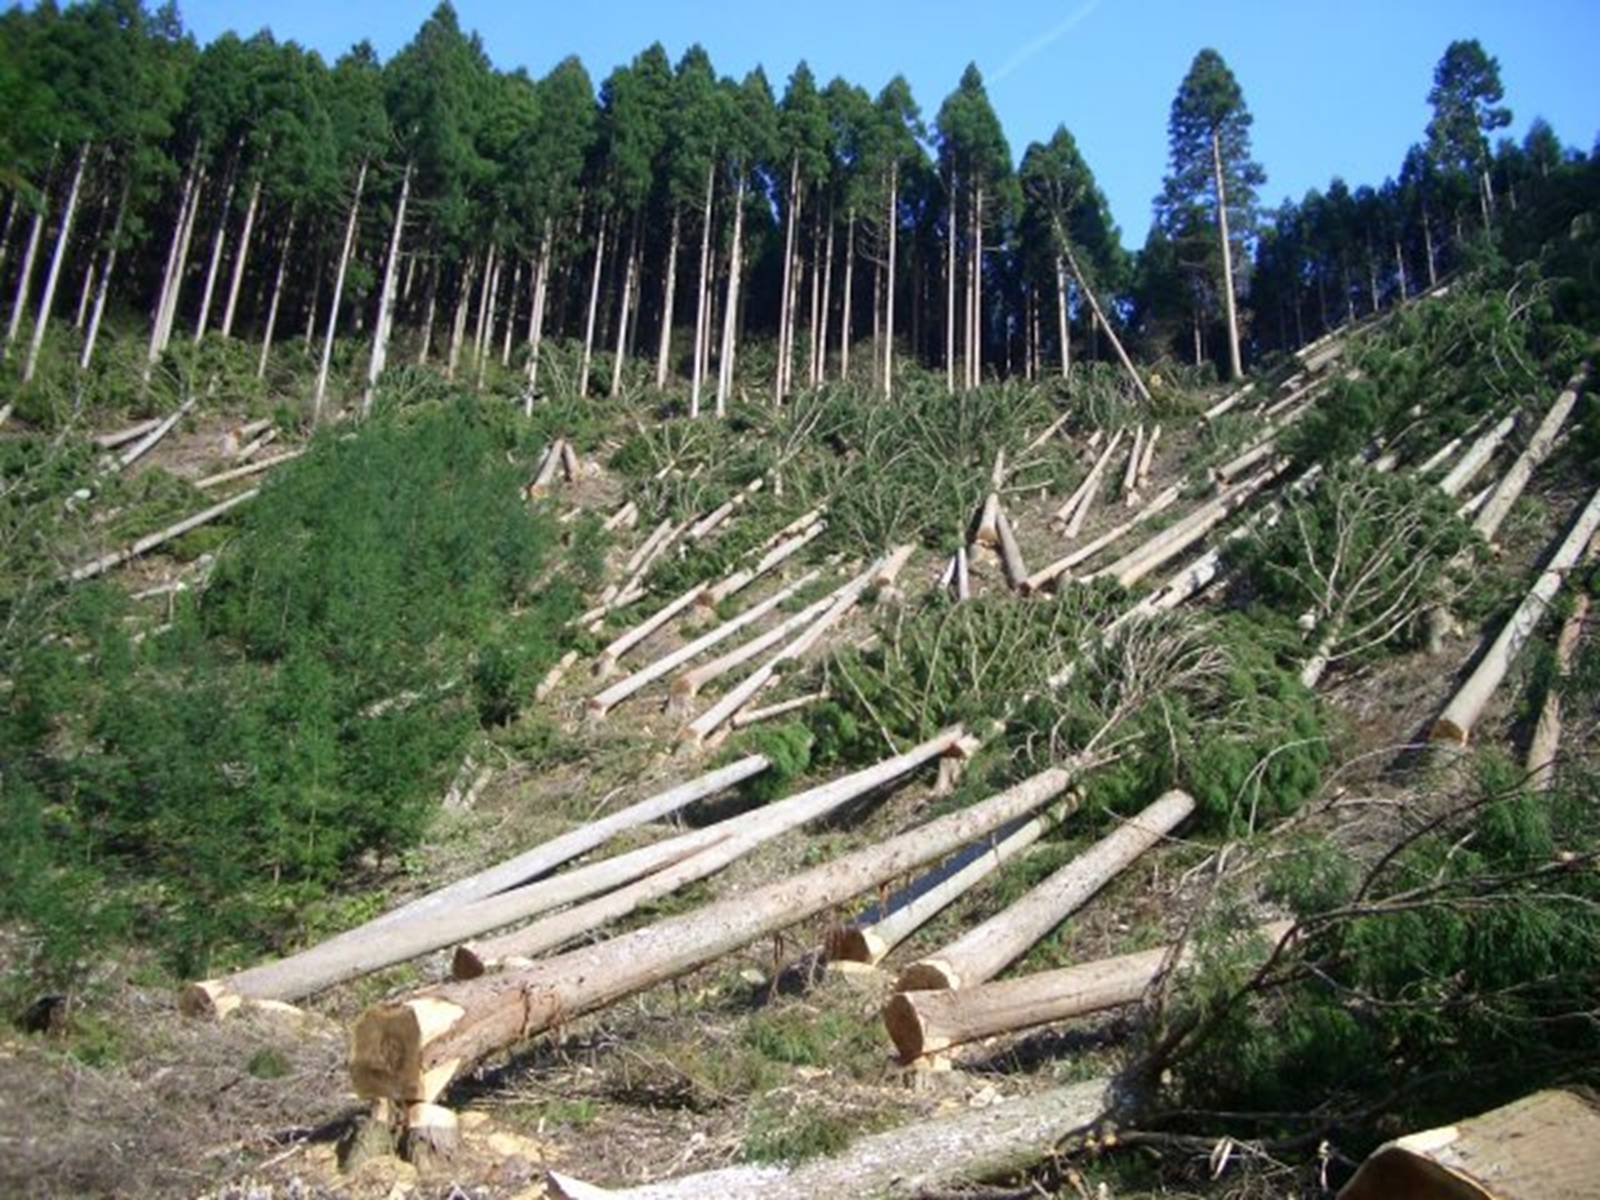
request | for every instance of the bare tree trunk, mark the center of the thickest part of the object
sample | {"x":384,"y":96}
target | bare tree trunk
{"x":811,"y":336}
{"x":1061,"y":319}
{"x":819,"y":370}
{"x":1427,"y":242}
{"x":219,"y":240}
{"x":239,"y":259}
{"x":1087,"y":293}
{"x":849,"y":290}
{"x":53,"y":277}
{"x":1400,"y":273}
{"x":458,"y":323}
{"x":893,"y":215}
{"x":511,"y":313}
{"x":25,"y":278}
{"x":430,"y":307}
{"x":950,"y":289}
{"x":541,"y":294}
{"x":11,"y":220}
{"x":669,"y":291}
{"x":486,"y":318}
{"x":703,"y":290}
{"x":730,"y":314}
{"x":1235,"y":365}
{"x":277,"y":297}
{"x":380,"y":334}
{"x":877,"y":323}
{"x":630,"y":277}
{"x":780,"y":386}
{"x":104,"y":286}
{"x":485,"y":292}
{"x":338,"y":295}
{"x":594,"y":307}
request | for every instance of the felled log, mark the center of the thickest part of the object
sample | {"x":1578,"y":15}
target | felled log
{"x":605,"y":701}
{"x":116,"y":558}
{"x":412,"y":1049}
{"x":1476,"y":457}
{"x":552,"y":677}
{"x":335,"y":960}
{"x":871,"y":937}
{"x":624,"y":518}
{"x":1461,"y":714}
{"x":742,"y":835}
{"x":630,"y":638}
{"x":252,"y":448}
{"x":1049,"y":432}
{"x":646,"y":547}
{"x":709,"y":523}
{"x":927,"y":1022}
{"x":687,"y":685}
{"x":987,"y":532}
{"x":121,"y":437}
{"x":1228,"y":403}
{"x":545,"y":473}
{"x":1439,"y":456}
{"x":1073,"y":512}
{"x":1130,"y":473}
{"x":645,"y":562}
{"x":984,"y":951}
{"x":1174,"y":540}
{"x":1241,"y":463}
{"x":1047,"y":575}
{"x":1149,"y":456}
{"x":1010,"y":552}
{"x":255,"y":468}
{"x":845,"y":600}
{"x":570,"y":466}
{"x":963,"y":574}
{"x":1543,"y":1147}
{"x":146,"y":443}
{"x":754,"y":716}
{"x":1547,"y":733}
{"x":922,"y":1158}
{"x":1515,"y":480}
{"x":773,"y":558}
{"x":801,"y":523}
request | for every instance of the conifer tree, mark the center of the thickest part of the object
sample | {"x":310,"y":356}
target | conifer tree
{"x":1465,"y":98}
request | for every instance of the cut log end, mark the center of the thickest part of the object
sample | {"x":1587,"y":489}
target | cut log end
{"x":929,"y":975}
{"x":387,"y":1047}
{"x":1448,"y":733}
{"x":467,"y":963}
{"x":906,"y":1030}
{"x":208,"y":1000}
{"x":432,"y":1137}
{"x":860,"y":946}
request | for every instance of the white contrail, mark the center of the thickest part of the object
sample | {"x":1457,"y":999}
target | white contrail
{"x":1044,"y":40}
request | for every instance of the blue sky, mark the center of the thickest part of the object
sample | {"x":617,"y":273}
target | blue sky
{"x":1335,"y":88}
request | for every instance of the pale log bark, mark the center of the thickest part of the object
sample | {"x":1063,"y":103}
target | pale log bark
{"x":730,"y":315}
{"x":625,"y":317}
{"x":329,"y":962}
{"x":1461,"y":714}
{"x":338,"y":294}
{"x":888,"y":319}
{"x":103,"y":286}
{"x":232,"y":307}
{"x":1235,"y":366}
{"x":1075,"y":512}
{"x":110,"y":441}
{"x":145,"y":544}
{"x":984,"y":951}
{"x":686,"y":686}
{"x":19,"y":303}
{"x":920,"y":1159}
{"x":873,"y":935}
{"x":380,"y":333}
{"x":255,"y":468}
{"x":277,"y":297}
{"x":164,"y":427}
{"x":1476,"y":457}
{"x":1507,"y":491}
{"x":630,"y":638}
{"x":785,"y":305}
{"x":744,"y":834}
{"x":927,"y":1022}
{"x":1046,"y":575}
{"x":594,"y":308}
{"x":1229,"y":402}
{"x":775,"y":557}
{"x":219,"y":240}
{"x":1010,"y":552}
{"x":1149,"y":456}
{"x":950,"y":285}
{"x":53,"y":276}
{"x":1547,"y":733}
{"x":669,"y":290}
{"x":1111,"y":334}
{"x":1062,"y":333}
{"x":1130,"y":473}
{"x":413,"y":1049}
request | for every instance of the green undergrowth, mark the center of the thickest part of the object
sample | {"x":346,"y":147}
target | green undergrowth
{"x":387,"y":600}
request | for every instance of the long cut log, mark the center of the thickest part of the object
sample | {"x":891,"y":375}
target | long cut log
{"x":921,"y":1158}
{"x":412,"y":1049}
{"x":1130,"y":473}
{"x":144,"y":445}
{"x":984,"y":951}
{"x":878,"y":931}
{"x":150,"y":541}
{"x":605,"y":701}
{"x":1072,"y":511}
{"x":255,"y":468}
{"x":744,"y":834}
{"x":687,"y":685}
{"x":1476,"y":457}
{"x":1010,"y":552}
{"x":1047,"y":575}
{"x":327,"y":963}
{"x":121,"y":437}
{"x":1546,"y":739}
{"x":1466,"y":706}
{"x":1228,"y":403}
{"x":630,"y":638}
{"x":1515,"y":480}
{"x":926,"y":1022}
{"x":773,"y":558}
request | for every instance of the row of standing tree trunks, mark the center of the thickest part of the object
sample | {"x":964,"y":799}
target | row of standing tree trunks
{"x":988,"y":948}
{"x":363,"y":949}
{"x":411,"y":1050}
{"x":1454,"y":725}
{"x":925,"y":1158}
{"x":922,"y":1023}
{"x":743,"y":834}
